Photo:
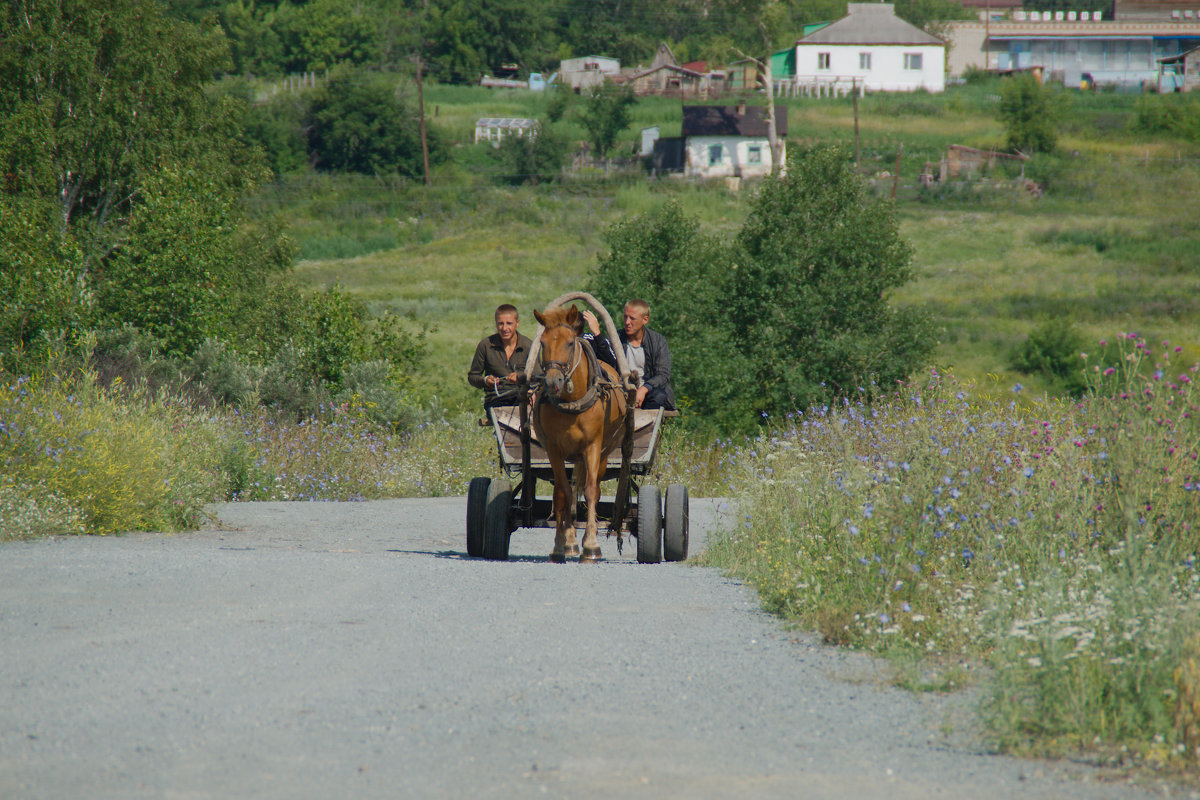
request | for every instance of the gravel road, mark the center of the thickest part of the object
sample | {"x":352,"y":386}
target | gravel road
{"x":309,"y":650}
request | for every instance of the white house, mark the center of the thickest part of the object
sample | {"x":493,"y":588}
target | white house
{"x":587,"y":71}
{"x":729,"y":141}
{"x":871,"y":48}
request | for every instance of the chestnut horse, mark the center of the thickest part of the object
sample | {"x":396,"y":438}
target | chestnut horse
{"x":579,"y":417}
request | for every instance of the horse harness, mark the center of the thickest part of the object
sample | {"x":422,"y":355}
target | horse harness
{"x":598,"y":381}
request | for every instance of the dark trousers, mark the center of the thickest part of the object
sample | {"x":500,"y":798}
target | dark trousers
{"x":657,"y":398}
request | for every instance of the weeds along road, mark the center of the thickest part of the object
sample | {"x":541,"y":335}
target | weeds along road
{"x":311,"y":650}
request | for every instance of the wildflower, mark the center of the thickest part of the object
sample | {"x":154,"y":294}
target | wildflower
{"x":905,"y":607}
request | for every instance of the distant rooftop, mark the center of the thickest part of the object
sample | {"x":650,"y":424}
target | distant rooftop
{"x":726,"y":121}
{"x":870,"y":23}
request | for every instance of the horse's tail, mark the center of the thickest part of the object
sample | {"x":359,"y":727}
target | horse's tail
{"x":578,"y":481}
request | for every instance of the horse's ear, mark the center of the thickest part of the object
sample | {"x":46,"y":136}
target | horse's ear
{"x":575,"y":320}
{"x":538,"y":316}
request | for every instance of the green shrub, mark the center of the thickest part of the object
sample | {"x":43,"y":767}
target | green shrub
{"x":1029,"y":112}
{"x":1054,"y":349}
{"x":533,"y":159}
{"x":1169,"y":115}
{"x":359,"y":125}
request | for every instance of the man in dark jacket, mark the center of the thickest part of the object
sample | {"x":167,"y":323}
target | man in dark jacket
{"x":498,"y":359}
{"x":646,"y":351}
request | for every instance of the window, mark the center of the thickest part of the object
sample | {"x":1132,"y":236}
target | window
{"x":715,"y":154}
{"x":912,"y":61}
{"x":754,"y":154}
{"x":822,"y":60}
{"x":864,"y":61}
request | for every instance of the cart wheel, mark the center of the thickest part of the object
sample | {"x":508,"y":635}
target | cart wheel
{"x":649,"y":525}
{"x":495,"y":521}
{"x":477,"y":494}
{"x":675,"y":523}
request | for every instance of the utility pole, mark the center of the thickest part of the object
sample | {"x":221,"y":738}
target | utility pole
{"x":421,"y":112}
{"x":421,"y":95}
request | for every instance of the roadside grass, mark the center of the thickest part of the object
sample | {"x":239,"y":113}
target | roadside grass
{"x":1055,"y":542}
{"x":81,"y":459}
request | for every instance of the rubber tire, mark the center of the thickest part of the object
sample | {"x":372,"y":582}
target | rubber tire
{"x":675,"y":523}
{"x":477,"y":494}
{"x":495,"y":521}
{"x":649,"y":525}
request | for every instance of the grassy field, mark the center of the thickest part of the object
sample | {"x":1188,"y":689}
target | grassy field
{"x":1111,"y":245}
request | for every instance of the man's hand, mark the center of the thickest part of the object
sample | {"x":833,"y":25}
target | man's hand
{"x":641,"y":396}
{"x":592,"y":323}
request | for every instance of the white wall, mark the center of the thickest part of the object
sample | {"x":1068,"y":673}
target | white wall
{"x":887,"y":72}
{"x":735,"y":157}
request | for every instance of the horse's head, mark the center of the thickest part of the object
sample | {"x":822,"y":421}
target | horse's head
{"x":560,"y":355}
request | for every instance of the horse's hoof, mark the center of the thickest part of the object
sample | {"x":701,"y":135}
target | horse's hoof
{"x":558,"y":558}
{"x":572,"y":551}
{"x":591,"y":555}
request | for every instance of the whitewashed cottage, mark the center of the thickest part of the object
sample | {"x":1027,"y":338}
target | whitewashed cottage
{"x":729,"y":141}
{"x":871,"y":48}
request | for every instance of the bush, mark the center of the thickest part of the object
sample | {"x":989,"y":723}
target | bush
{"x":533,"y":159}
{"x":1029,"y":113}
{"x":95,"y":463}
{"x":1054,"y":349}
{"x":796,"y":307}
{"x":43,"y":282}
{"x":1171,"y":115}
{"x":357,"y":125}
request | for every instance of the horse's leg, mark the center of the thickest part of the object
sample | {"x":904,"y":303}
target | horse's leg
{"x":591,"y":491}
{"x":562,"y":517}
{"x":569,"y":516}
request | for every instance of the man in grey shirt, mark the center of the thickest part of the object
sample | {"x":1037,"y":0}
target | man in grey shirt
{"x":646,"y":351}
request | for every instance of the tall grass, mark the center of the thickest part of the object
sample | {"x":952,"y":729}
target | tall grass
{"x":1055,"y":541}
{"x":80,"y":459}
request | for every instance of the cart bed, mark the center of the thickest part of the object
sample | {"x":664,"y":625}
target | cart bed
{"x":506,"y":422}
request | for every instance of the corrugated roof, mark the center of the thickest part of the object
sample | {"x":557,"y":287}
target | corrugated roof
{"x":870,"y":23}
{"x":726,"y":121}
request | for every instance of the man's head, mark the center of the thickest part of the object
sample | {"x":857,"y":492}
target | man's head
{"x":506,"y":322}
{"x":637,"y":314}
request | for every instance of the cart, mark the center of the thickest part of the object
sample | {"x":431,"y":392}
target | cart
{"x":496,"y":507}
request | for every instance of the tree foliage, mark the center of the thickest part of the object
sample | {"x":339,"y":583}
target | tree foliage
{"x":536,"y":158}
{"x":122,"y":205}
{"x":605,"y":112}
{"x":793,"y":312}
{"x":357,"y":125}
{"x":1029,"y":113}
{"x":98,"y":95}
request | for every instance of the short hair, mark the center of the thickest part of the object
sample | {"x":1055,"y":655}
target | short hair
{"x":640,"y":305}
{"x":507,"y":308}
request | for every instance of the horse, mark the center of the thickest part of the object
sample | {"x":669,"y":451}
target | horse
{"x":579,"y":417}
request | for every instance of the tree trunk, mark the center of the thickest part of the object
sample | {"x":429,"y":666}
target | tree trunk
{"x":772,"y":135}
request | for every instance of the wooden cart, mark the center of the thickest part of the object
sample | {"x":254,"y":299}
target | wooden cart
{"x":498,"y":507}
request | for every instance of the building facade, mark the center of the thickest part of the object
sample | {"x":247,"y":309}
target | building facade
{"x":871,"y":48}
{"x":1070,"y":49}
